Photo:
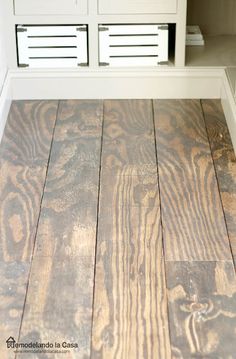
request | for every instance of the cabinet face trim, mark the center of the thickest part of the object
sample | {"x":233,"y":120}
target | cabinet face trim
{"x":52,"y":46}
{"x":137,"y":6}
{"x":50,"y":7}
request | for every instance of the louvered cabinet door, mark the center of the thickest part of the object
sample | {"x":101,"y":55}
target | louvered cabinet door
{"x":137,"y":6}
{"x":46,"y":7}
{"x":133,"y":45}
{"x":52,"y":46}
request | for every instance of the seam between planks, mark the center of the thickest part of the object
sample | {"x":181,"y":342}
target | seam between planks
{"x":161,"y":224}
{"x":97,"y":224}
{"x":37,"y":224}
{"x":218,"y":186}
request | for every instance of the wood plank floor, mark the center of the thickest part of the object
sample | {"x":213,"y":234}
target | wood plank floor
{"x":118,"y":230}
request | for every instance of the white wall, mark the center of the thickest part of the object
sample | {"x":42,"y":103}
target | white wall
{"x":215,"y":17}
{"x":3,"y":62}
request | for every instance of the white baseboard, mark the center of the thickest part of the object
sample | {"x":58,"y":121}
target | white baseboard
{"x":229,"y":107}
{"x":164,"y":83}
{"x":168,"y":83}
{"x":5,"y":103}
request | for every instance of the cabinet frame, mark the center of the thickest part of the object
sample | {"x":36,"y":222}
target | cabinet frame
{"x":93,"y":19}
{"x":137,"y":6}
{"x":47,"y":7}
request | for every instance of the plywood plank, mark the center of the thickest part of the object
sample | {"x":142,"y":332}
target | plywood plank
{"x":224,"y":161}
{"x":28,"y":133}
{"x":202,"y":309}
{"x":59,"y":304}
{"x":13,"y":278}
{"x":69,"y":210}
{"x":24,"y":155}
{"x":63,"y":264}
{"x":130,"y":314}
{"x":125,"y":190}
{"x":128,"y":135}
{"x":130,"y":308}
{"x":192,"y":215}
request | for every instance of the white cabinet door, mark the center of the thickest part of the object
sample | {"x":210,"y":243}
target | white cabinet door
{"x":133,"y":45}
{"x":137,"y":6}
{"x":52,"y":46}
{"x":56,"y":7}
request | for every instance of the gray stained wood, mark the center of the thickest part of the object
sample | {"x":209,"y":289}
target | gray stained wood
{"x":200,"y":276}
{"x":59,"y":299}
{"x":192,"y":216}
{"x":13,"y":285}
{"x":128,"y":139}
{"x":24,"y":155}
{"x":69,"y":210}
{"x":225,"y":163}
{"x":59,"y":304}
{"x":24,"y":158}
{"x":100,"y":276}
{"x":130,"y":306}
{"x":202,"y":309}
{"x":129,"y":191}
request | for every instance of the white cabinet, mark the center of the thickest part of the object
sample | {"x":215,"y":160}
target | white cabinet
{"x":137,"y":50}
{"x":47,"y":7}
{"x":137,"y":6}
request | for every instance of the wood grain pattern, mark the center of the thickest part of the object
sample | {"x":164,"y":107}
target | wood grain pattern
{"x":192,"y":215}
{"x":141,"y":299}
{"x":202,"y":309}
{"x":21,"y":190}
{"x":59,"y":300}
{"x":225,"y":163}
{"x":24,"y":155}
{"x":128,"y":135}
{"x":59,"y":304}
{"x":28,"y":133}
{"x":125,"y":190}
{"x":13,"y":279}
{"x":69,"y":209}
{"x":130,"y":313}
{"x":130,"y":309}
{"x":23,"y":163}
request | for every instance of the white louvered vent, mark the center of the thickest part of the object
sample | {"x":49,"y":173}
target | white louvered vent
{"x":133,"y":45}
{"x":52,"y":46}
